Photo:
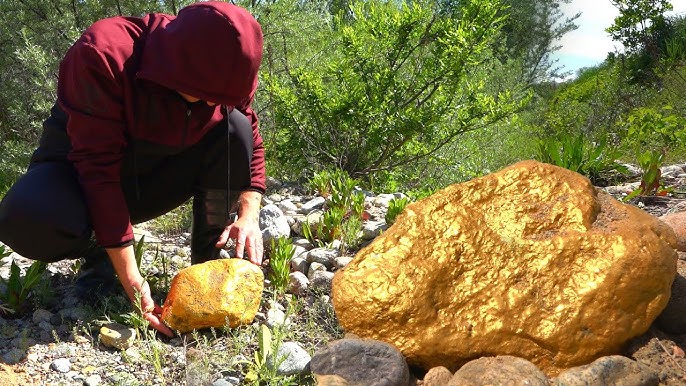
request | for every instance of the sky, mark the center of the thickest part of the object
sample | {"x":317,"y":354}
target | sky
{"x":590,"y":44}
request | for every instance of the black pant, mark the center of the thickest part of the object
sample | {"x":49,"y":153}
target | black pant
{"x":44,"y":215}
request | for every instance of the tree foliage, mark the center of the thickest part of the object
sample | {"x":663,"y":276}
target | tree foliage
{"x":35,"y":36}
{"x":400,"y":82}
{"x":532,"y":31}
{"x":638,"y":22}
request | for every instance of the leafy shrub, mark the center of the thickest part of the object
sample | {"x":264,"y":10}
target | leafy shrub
{"x":652,"y":133}
{"x":345,"y":206}
{"x":19,"y":289}
{"x":596,"y":160}
{"x":401,"y":80}
{"x":395,"y":207}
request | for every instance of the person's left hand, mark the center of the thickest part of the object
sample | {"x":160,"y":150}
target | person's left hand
{"x":246,"y":232}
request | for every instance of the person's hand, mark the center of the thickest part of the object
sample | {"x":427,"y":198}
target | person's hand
{"x":138,"y":290}
{"x":246,"y":230}
{"x":152,"y":312}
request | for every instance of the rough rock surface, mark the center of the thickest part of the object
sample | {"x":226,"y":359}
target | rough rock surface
{"x":362,"y":362}
{"x":531,"y":261}
{"x":212,"y":293}
{"x":437,"y":376}
{"x":677,"y":221}
{"x":500,"y":370}
{"x":614,"y":370}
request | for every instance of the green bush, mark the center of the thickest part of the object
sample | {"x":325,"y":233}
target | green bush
{"x":344,"y":208}
{"x":395,"y":207}
{"x":652,"y":133}
{"x":399,"y":81}
{"x":15,"y":301}
{"x":280,"y":255}
{"x":595,"y":160}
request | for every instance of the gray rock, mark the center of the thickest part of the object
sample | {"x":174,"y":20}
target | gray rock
{"x":92,"y":380}
{"x":276,"y":317}
{"x":342,"y":261}
{"x":290,"y":359}
{"x":41,"y":315}
{"x":273,"y":223}
{"x":45,"y":326}
{"x":437,"y":376}
{"x":222,"y":382}
{"x":276,"y":197}
{"x":372,"y":229}
{"x":287,"y":206}
{"x":322,"y":280}
{"x":300,"y":264}
{"x":298,"y":283}
{"x":299,"y":251}
{"x":500,"y":370}
{"x":118,"y":336}
{"x":314,"y":267}
{"x":324,"y":256}
{"x":303,"y":242}
{"x":315,"y":203}
{"x":362,"y":362}
{"x":62,"y":365}
{"x":383,"y":199}
{"x":13,"y":356}
{"x":613,"y":370}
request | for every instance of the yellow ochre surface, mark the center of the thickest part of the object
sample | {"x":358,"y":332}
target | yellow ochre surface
{"x":531,"y":261}
{"x":212,"y":293}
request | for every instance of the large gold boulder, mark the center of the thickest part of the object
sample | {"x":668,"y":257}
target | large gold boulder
{"x":531,"y":261}
{"x":214,"y":294}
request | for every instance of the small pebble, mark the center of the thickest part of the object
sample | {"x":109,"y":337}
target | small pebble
{"x":61,"y":365}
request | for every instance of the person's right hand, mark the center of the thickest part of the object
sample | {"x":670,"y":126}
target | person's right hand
{"x":152,"y":312}
{"x":137,"y":289}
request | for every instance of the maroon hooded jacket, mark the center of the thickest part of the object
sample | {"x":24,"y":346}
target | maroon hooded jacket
{"x":118,"y":83}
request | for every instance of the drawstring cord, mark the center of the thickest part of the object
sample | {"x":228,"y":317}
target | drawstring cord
{"x":228,"y":158}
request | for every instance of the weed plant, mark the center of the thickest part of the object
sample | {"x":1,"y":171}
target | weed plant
{"x":596,"y":160}
{"x":395,"y":207}
{"x":344,"y":209}
{"x":280,"y":255}
{"x":15,"y":301}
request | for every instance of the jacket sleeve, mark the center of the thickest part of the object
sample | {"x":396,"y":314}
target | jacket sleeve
{"x":92,"y":96}
{"x":257,"y":165}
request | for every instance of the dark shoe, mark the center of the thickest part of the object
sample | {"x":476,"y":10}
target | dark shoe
{"x":97,"y":278}
{"x":210,"y":217}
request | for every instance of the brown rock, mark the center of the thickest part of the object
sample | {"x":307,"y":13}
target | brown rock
{"x":213,"y":294}
{"x":530,"y":261}
{"x":613,"y":370}
{"x":362,"y":362}
{"x":437,"y":376}
{"x":501,"y":370}
{"x":331,"y":380}
{"x":677,"y":221}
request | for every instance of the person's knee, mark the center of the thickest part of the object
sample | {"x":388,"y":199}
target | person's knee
{"x":13,"y":223}
{"x":43,"y":216}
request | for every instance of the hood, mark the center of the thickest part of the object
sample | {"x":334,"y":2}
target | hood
{"x":211,"y":50}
